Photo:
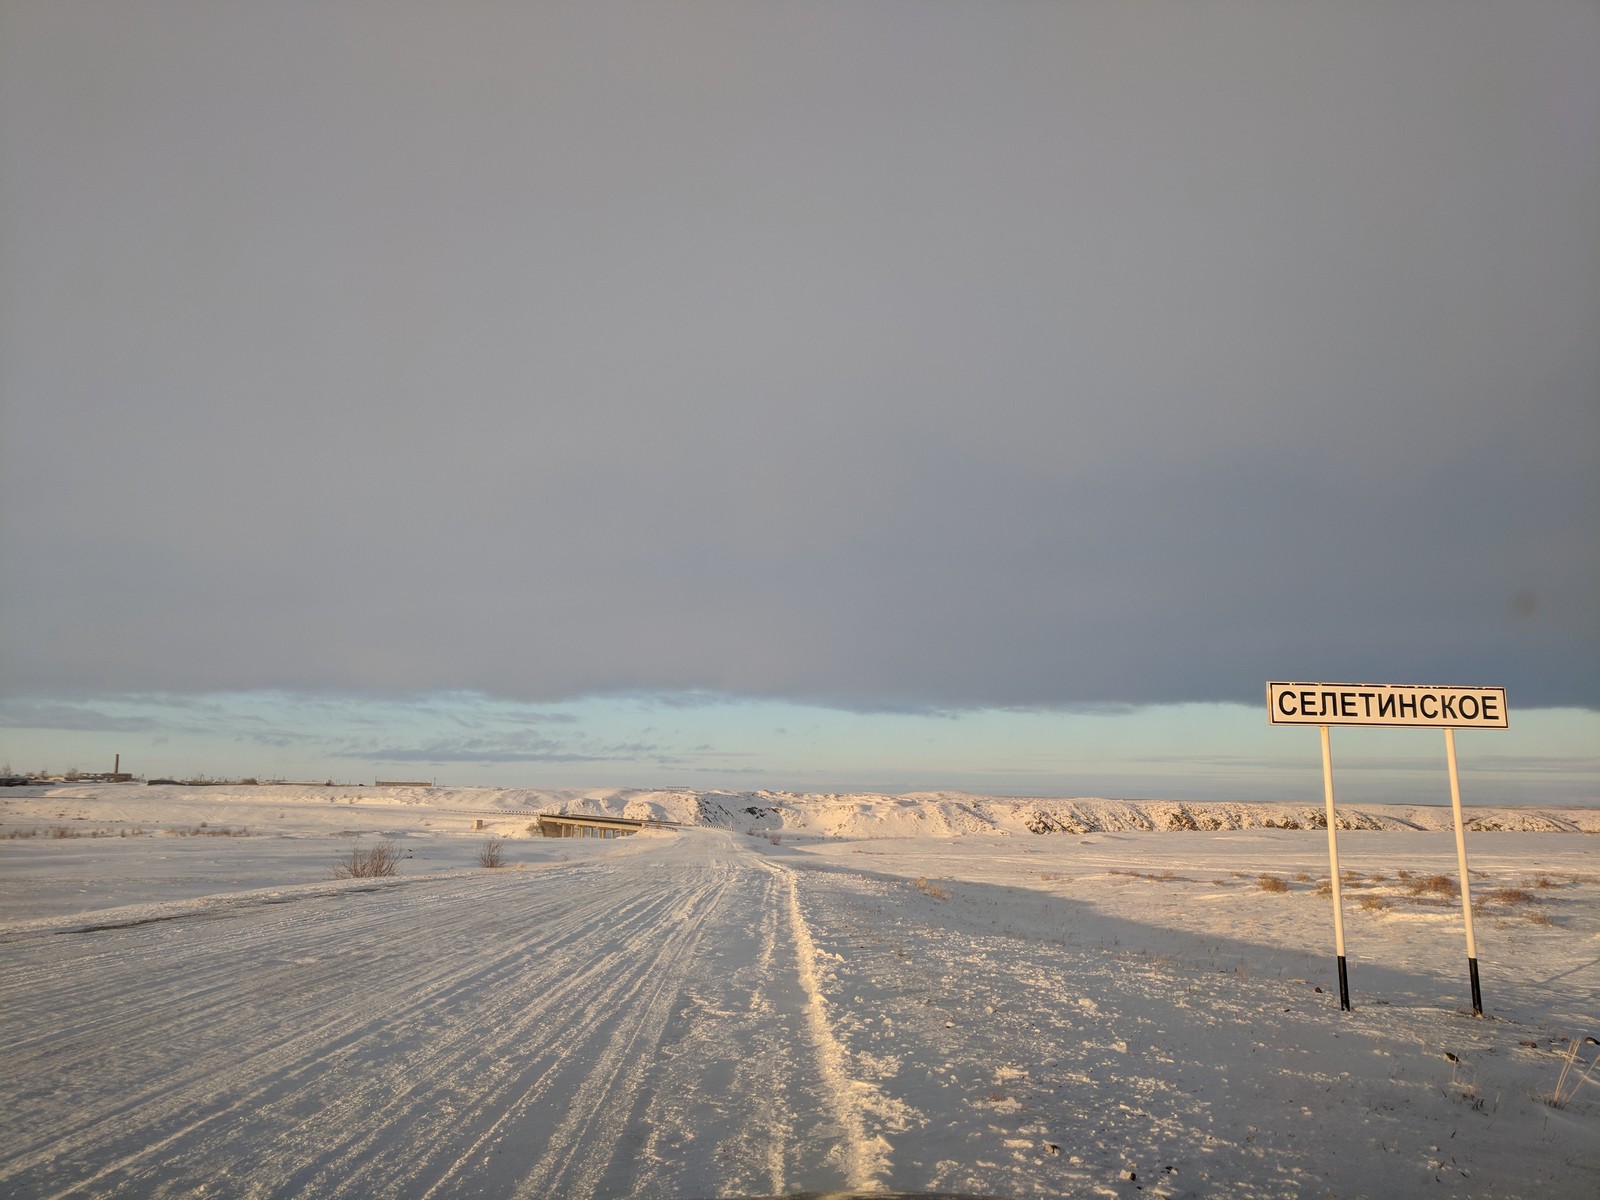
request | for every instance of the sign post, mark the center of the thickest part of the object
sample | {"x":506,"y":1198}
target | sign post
{"x":1461,"y":859}
{"x":1398,"y":705}
{"x":1333,"y":870}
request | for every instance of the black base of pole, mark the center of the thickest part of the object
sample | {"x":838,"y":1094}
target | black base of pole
{"x":1344,"y":984}
{"x":1477,"y":996}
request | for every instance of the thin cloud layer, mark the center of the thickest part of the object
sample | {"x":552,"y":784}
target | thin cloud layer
{"x":879,"y":356}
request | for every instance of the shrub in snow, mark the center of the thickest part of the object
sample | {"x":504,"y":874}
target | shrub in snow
{"x":382,"y":859}
{"x":489,"y":856}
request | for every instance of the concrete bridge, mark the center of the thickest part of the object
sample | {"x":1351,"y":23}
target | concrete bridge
{"x":579,"y":825}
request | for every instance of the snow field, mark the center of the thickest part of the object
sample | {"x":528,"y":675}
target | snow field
{"x":709,"y":1013}
{"x":1047,"y":1046}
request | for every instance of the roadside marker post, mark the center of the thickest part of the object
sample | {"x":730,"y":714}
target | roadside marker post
{"x":1399,"y":705}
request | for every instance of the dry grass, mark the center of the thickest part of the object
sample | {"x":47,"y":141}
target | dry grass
{"x":204,"y":830}
{"x":1434,"y":885}
{"x":1526,"y":904}
{"x":1568,"y":1083}
{"x":1523,"y":901}
{"x":383,"y":859}
{"x":1512,"y":896}
{"x":932,"y":890}
{"x":489,"y":855}
{"x":1271,"y":883}
{"x":64,"y":832}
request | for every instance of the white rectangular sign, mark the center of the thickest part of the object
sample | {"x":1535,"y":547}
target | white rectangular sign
{"x":1387,"y":704}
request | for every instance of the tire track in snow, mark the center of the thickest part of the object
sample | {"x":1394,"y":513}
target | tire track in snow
{"x":481,"y":1051}
{"x":365,"y":1105}
{"x":601,"y":1104}
{"x":739,"y":1044}
{"x":567,"y":1005}
{"x":332,"y":1023}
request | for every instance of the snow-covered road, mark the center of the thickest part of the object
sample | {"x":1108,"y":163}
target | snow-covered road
{"x":639,"y":1023}
{"x":703,"y":1013}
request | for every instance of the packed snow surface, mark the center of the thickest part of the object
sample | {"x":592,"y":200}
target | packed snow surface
{"x":1015,"y":997}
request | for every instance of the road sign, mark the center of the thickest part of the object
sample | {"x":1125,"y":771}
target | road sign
{"x":1387,"y":704}
{"x":1447,"y":708}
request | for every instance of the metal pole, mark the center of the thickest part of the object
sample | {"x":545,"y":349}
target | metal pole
{"x":1461,"y":859}
{"x":1333,"y":866}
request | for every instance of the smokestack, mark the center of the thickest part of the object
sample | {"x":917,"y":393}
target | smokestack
{"x":117,"y":770}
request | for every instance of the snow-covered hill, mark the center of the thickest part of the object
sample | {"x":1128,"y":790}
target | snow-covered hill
{"x":848,"y":814}
{"x":946,"y":814}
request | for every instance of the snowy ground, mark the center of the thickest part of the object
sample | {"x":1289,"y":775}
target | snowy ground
{"x":785,"y":1002}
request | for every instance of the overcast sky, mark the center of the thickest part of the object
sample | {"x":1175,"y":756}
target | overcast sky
{"x":892,"y":358}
